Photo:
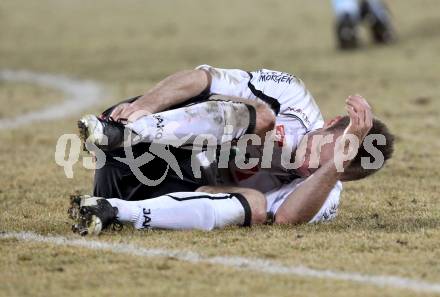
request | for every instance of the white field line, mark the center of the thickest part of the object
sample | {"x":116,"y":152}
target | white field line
{"x":78,"y":95}
{"x":252,"y":264}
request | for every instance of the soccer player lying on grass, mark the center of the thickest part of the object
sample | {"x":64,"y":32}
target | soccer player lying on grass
{"x":290,"y":196}
{"x":216,"y":207}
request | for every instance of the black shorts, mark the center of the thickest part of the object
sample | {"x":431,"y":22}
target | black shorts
{"x":116,"y":180}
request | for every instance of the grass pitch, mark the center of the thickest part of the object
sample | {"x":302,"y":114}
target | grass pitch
{"x":387,"y":224}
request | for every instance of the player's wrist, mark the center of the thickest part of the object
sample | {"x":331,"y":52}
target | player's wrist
{"x":332,"y":168}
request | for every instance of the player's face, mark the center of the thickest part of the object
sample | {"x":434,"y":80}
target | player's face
{"x":319,"y":149}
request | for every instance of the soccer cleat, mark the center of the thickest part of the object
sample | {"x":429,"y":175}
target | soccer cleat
{"x":346,"y":33}
{"x":105,"y":134}
{"x":378,"y":18}
{"x":92,"y":215}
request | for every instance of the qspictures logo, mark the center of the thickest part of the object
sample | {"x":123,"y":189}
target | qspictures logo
{"x":293,"y":157}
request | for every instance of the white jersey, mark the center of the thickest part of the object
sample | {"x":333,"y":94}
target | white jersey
{"x":285,"y":94}
{"x":296,"y":114}
{"x":295,"y":109}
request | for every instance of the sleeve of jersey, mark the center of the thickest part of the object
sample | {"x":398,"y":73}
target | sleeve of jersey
{"x":298,"y":103}
{"x":228,"y":82}
{"x":330,"y":208}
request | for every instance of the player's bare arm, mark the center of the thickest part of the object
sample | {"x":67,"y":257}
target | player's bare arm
{"x":302,"y":205}
{"x":174,"y":89}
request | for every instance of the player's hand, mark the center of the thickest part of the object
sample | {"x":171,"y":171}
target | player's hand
{"x":361,"y":117}
{"x":129,"y":112}
{"x":361,"y":121}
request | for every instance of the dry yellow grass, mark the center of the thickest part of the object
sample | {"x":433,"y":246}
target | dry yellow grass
{"x":388,"y":224}
{"x":18,"y":98}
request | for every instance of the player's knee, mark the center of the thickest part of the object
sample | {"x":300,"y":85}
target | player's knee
{"x":281,"y":219}
{"x":257,"y":203}
{"x":259,"y":216}
{"x":265,"y":119}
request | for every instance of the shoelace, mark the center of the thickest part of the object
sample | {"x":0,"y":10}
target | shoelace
{"x":121,"y":121}
{"x":116,"y":225}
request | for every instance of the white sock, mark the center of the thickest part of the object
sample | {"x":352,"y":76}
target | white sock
{"x":186,"y":123}
{"x":350,"y":7}
{"x":185,"y":210}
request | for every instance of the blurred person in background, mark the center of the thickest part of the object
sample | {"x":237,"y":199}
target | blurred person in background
{"x":351,"y":13}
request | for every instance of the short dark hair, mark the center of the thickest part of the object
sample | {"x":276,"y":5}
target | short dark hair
{"x":355,"y":171}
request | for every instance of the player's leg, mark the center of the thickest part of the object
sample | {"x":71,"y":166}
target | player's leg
{"x":378,"y":16}
{"x":116,"y":179}
{"x":347,"y":14}
{"x":181,"y":126}
{"x":176,"y":126}
{"x":177,"y":211}
{"x":186,"y":123}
